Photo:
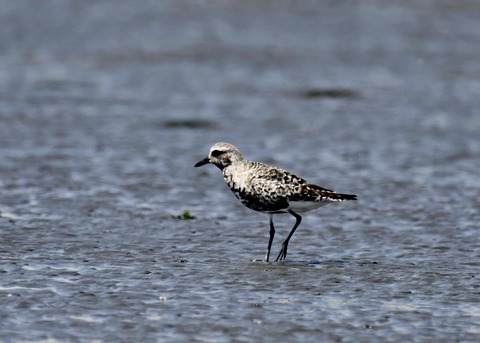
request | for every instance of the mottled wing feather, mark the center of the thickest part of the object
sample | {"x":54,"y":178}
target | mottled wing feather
{"x":270,"y":189}
{"x":272,"y":186}
{"x":279,"y":175}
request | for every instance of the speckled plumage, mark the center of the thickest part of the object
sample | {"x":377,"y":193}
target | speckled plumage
{"x":269,"y":189}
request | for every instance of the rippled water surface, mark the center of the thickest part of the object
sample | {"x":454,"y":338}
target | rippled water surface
{"x":106,"y":106}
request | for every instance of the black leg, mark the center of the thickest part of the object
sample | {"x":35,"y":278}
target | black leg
{"x":283,"y":250}
{"x":272,"y":234}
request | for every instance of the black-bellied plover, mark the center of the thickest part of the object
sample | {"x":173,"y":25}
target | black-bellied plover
{"x":269,"y":189}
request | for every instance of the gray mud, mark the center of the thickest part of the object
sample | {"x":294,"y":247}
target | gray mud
{"x":105,"y":107}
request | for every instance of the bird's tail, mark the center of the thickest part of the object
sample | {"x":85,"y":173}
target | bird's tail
{"x":343,"y":197}
{"x":318,"y":192}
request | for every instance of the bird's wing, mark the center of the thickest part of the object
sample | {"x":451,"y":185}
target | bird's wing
{"x":265,"y":172}
{"x":274,"y":183}
{"x":292,"y":187}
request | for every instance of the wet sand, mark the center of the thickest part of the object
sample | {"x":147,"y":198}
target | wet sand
{"x":106,"y":106}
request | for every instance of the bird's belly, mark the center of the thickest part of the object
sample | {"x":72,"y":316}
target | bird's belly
{"x":262,"y":206}
{"x":260,"y":203}
{"x":304,"y":206}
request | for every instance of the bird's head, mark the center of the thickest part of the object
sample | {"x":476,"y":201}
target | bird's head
{"x":222,"y":155}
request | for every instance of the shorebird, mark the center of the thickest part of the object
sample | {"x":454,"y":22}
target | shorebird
{"x":269,"y":189}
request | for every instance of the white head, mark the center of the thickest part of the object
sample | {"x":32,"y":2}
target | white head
{"x":222,"y":155}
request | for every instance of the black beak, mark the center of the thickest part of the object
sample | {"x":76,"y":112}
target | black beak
{"x":202,"y":162}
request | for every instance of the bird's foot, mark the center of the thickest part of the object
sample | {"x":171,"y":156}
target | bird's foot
{"x":267,"y":256}
{"x":283,"y":252}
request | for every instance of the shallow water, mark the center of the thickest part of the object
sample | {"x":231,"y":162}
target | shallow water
{"x":103,"y":116}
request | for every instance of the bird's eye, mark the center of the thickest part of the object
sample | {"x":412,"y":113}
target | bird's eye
{"x":216,"y":153}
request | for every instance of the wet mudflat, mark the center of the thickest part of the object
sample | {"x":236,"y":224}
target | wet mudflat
{"x":106,"y":106}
